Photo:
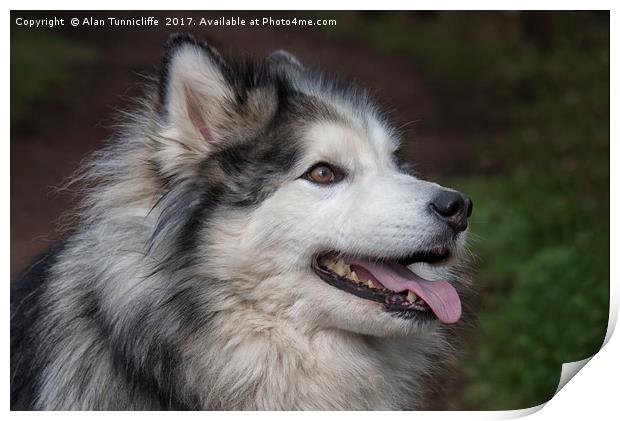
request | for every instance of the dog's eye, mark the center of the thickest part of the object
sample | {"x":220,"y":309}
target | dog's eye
{"x":323,"y":173}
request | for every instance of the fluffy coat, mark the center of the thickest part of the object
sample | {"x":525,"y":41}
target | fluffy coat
{"x":187,"y":284}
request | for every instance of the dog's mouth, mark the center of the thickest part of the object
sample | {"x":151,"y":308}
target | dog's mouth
{"x":392,"y":283}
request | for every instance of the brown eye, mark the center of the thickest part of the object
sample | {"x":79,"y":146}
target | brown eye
{"x":323,"y":173}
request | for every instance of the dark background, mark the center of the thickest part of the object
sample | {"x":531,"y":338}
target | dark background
{"x":509,"y":107}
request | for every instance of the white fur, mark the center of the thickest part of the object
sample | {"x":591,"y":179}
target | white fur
{"x":280,"y":337}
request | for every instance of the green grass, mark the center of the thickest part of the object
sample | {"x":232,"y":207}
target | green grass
{"x":44,"y":66}
{"x":531,"y":94}
{"x":544,"y":282}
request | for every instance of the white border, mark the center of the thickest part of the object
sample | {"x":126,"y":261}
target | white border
{"x":319,"y":5}
{"x":593,"y":391}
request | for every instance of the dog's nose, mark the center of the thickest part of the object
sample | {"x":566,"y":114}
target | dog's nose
{"x":453,"y":208}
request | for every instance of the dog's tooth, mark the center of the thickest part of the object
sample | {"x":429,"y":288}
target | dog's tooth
{"x":369,"y":284}
{"x":339,"y":268}
{"x":354,"y":276}
{"x":411,"y":297}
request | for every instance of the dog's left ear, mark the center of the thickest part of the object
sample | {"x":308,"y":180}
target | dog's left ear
{"x":195,"y":94}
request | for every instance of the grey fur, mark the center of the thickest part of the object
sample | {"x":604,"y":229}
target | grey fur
{"x":138,"y":309}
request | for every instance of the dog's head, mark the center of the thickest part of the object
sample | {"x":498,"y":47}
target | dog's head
{"x":283,"y":192}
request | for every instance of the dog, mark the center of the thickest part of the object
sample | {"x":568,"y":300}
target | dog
{"x":249,"y":240}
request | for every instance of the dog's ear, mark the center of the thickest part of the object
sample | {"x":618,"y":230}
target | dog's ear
{"x":283,"y":61}
{"x":195,"y":93}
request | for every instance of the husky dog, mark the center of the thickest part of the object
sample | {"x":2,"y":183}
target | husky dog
{"x":248,"y":241}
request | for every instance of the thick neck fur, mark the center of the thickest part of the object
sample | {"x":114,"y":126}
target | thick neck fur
{"x":166,"y":329}
{"x":267,"y":364}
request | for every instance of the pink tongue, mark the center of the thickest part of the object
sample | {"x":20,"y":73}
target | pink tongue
{"x":440,"y":296}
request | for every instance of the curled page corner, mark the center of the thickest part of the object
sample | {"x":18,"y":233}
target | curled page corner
{"x":569,"y":370}
{"x":520,"y":413}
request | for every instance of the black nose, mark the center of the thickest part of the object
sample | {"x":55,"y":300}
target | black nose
{"x":452,"y":207}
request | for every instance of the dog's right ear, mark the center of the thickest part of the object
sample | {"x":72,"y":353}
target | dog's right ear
{"x":283,"y":61}
{"x":195,"y":96}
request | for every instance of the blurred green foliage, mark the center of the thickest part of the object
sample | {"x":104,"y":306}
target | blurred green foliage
{"x":43,"y":67}
{"x":531,"y":91}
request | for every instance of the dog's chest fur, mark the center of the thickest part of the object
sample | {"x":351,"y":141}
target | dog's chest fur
{"x":243,"y":359}
{"x":273,"y":366}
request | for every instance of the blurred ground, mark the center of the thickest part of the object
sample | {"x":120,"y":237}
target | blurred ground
{"x":509,"y":107}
